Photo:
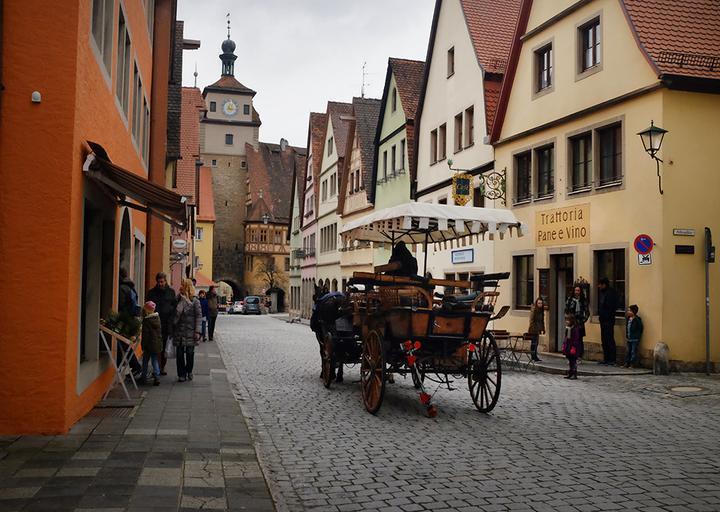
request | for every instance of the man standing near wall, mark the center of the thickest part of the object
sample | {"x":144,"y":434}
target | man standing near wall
{"x":164,"y":298}
{"x":608,"y":304}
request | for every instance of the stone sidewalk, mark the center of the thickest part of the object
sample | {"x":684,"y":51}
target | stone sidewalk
{"x":184,"y":447}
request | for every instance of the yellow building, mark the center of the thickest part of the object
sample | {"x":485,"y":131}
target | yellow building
{"x":356,"y":183}
{"x":204,"y":229}
{"x":583,"y":79}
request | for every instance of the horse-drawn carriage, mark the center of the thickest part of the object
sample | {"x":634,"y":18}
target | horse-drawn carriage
{"x":398,"y":325}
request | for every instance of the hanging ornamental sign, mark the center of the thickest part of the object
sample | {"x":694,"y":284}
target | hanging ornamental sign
{"x":462,"y":188}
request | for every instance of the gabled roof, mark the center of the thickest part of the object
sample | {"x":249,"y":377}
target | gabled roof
{"x":270,"y":173}
{"x":491,"y":25}
{"x":317,"y":127}
{"x":338,"y":112}
{"x":366,"y":112}
{"x":408,"y":76}
{"x":192,"y":104}
{"x":206,"y":210}
{"x":409,"y":79}
{"x":228,"y":83}
{"x":678,"y":37}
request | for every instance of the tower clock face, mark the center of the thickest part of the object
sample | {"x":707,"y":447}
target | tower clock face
{"x":230,"y":108}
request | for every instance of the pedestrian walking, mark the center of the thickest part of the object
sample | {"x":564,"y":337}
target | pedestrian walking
{"x":186,"y":334}
{"x":128,"y":306}
{"x":573,"y":345}
{"x":151,"y":342}
{"x":165,"y":301}
{"x":537,"y":326}
{"x":202,"y":297}
{"x":577,"y":306}
{"x":633,"y":332}
{"x":212,"y":299}
{"x":607,"y":307}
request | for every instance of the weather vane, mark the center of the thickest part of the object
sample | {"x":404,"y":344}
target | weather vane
{"x":228,"y":22}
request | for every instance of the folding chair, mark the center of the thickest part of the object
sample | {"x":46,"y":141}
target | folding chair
{"x":123,"y":368}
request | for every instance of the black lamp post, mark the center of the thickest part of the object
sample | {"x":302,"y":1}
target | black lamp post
{"x":652,"y":139}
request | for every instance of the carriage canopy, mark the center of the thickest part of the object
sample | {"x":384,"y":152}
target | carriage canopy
{"x":417,"y":223}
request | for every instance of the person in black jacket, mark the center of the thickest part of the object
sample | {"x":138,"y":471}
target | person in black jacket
{"x":127,"y":305}
{"x":607,"y":307}
{"x":633,"y":332}
{"x":408,"y":264}
{"x":165,"y":301}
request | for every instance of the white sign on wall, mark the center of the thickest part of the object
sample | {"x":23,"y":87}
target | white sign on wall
{"x":463,"y":256}
{"x":645,"y":259}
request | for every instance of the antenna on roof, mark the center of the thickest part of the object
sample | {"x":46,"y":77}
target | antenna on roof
{"x":364,"y":77}
{"x":195,"y":74}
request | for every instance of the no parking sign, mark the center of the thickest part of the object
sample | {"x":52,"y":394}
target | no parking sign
{"x":643,"y":244}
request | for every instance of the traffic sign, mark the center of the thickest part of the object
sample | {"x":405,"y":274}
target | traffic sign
{"x":645,"y":259}
{"x":643,"y":244}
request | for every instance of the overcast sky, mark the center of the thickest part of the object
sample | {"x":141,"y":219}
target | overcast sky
{"x":298,"y":54}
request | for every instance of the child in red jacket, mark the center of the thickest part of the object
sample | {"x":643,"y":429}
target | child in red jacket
{"x":573,"y":345}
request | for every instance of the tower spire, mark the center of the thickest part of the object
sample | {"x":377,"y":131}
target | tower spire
{"x":228,"y":56}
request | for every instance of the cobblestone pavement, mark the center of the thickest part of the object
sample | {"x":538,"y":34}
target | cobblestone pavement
{"x":186,"y":447}
{"x":600,"y":443}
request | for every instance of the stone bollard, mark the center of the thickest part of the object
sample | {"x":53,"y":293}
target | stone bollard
{"x":661,"y":359}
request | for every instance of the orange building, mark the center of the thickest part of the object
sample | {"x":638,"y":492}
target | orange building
{"x":72,"y":213}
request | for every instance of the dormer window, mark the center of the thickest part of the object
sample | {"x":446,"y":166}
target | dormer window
{"x":330,"y":146}
{"x":246,"y":110}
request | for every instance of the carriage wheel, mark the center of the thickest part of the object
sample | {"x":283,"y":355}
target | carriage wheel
{"x":484,"y":374}
{"x":328,"y":361}
{"x":372,"y":372}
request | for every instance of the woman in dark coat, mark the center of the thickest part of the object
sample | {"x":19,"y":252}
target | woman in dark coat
{"x":408,"y":263}
{"x":188,"y":327}
{"x":577,"y":306}
{"x":537,"y":326}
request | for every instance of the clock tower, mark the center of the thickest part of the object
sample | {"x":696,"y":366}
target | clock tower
{"x":229,"y":124}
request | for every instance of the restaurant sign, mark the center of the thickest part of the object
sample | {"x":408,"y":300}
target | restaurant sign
{"x":563,"y":226}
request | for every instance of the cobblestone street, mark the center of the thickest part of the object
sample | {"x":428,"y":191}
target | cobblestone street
{"x":610,"y":443}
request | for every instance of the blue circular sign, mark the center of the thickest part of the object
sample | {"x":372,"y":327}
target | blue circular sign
{"x":643,"y":244}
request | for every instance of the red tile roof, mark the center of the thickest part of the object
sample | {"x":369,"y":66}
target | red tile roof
{"x":203,"y":281}
{"x":317,"y":127}
{"x":409,"y":77}
{"x":492,"y":98}
{"x":192,"y":105}
{"x":206,"y":211}
{"x":679,"y":37}
{"x":228,"y":83}
{"x":491,"y":24}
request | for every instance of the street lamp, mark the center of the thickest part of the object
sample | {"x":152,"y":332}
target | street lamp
{"x":652,"y":139}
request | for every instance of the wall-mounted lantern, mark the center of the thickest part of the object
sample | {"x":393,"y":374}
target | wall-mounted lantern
{"x":652,"y":139}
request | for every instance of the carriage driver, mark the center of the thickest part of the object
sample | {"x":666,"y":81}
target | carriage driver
{"x":408,"y":264}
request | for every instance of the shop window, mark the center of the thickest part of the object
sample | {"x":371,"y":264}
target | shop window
{"x":524,"y":271}
{"x":102,"y":29}
{"x":522,"y":177}
{"x":543,"y":67}
{"x":610,"y":154}
{"x":545,"y":158}
{"x":590,"y":44}
{"x":611,"y":264}
{"x":581,"y":150}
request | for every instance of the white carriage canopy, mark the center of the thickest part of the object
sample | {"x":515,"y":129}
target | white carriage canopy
{"x":418,"y":223}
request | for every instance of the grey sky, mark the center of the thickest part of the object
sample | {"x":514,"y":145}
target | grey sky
{"x":299,"y":54}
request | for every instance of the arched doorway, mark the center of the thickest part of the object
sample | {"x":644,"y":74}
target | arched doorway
{"x":237,"y":291}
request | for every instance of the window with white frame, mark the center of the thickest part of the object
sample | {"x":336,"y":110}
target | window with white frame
{"x":458,"y":142}
{"x":543,"y":68}
{"x":469,"y":126}
{"x":103,"y":13}
{"x":433,"y":146}
{"x":124,"y":54}
{"x":199,"y":233}
{"x":590,"y":44}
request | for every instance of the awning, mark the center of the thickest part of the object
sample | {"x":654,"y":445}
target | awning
{"x":416,"y":223}
{"x":155,"y":199}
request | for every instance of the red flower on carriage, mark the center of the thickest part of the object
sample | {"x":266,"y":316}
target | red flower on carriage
{"x":425,"y":398}
{"x":407,"y":345}
{"x":411,"y":360}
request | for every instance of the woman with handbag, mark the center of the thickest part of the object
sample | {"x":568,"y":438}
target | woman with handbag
{"x":187,"y":331}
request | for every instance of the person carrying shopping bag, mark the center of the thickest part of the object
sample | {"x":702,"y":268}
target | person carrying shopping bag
{"x":188,"y":328}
